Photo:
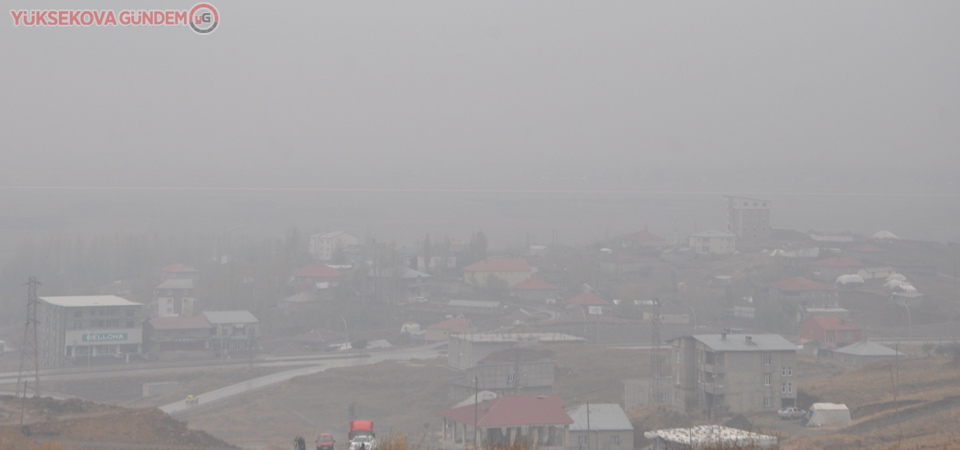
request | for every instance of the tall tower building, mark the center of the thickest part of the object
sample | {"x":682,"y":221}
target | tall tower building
{"x":748,"y":218}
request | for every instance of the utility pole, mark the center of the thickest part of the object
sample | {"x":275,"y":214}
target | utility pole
{"x":476,"y":404}
{"x":655,"y":356}
{"x":29,"y":348}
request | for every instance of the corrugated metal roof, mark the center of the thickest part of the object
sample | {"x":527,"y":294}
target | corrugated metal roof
{"x":228,"y":317}
{"x":89,"y":300}
{"x":740,"y":342}
{"x":176,"y":283}
{"x":603,"y":417}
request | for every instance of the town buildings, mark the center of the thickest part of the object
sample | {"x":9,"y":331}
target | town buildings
{"x":733,"y":373}
{"x":233,"y":330}
{"x":323,"y":246}
{"x":713,"y":243}
{"x":92,"y":326}
{"x":748,"y":218}
{"x":830,"y":331}
{"x":168,"y":334}
{"x":489,"y":272}
{"x":600,"y":426}
{"x":534,"y":289}
{"x":540,"y":421}
{"x":176,"y":297}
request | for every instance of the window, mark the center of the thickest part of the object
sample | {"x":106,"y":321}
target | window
{"x":78,"y":313}
{"x":113,"y":323}
{"x":77,"y":325}
{"x":789,"y":371}
{"x":789,"y":388}
{"x":678,"y":356}
{"x":766,"y":402}
{"x":766,"y":379}
{"x":130,"y":324}
{"x":96,"y":324}
{"x":511,"y":377}
{"x":783,"y":388}
{"x":767,"y":359}
{"x":615,"y":439}
{"x":582,"y":440}
{"x":130,"y":313}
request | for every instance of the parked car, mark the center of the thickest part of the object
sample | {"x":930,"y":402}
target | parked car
{"x":325,"y":441}
{"x":791,"y":413}
{"x":192,"y":400}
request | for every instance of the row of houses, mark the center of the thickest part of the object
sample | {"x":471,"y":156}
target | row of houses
{"x":77,"y":328}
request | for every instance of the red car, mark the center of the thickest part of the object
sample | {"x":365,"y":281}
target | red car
{"x":325,"y":441}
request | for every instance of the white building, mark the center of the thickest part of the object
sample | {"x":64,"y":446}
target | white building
{"x":88,"y":326}
{"x":713,"y":243}
{"x":324,"y":245}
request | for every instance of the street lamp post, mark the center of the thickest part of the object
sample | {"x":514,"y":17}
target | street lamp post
{"x":346,"y":334}
{"x":694,"y":313}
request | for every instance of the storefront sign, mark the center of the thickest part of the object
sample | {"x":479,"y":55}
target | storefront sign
{"x":101,"y":337}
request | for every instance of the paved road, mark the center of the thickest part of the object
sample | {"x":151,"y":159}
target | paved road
{"x":83,"y":373}
{"x":206,"y":398}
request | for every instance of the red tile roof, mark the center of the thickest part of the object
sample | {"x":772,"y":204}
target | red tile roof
{"x":317,"y":271}
{"x":533,"y":284}
{"x":867,"y":248}
{"x":499,"y":265}
{"x":800,"y":284}
{"x":642,"y":236}
{"x":588,"y":298}
{"x":456,"y":325}
{"x":833,"y":323}
{"x":837,"y":262}
{"x":180,"y":323}
{"x":178,"y":268}
{"x":513,"y":411}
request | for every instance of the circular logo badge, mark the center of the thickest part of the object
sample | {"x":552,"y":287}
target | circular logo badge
{"x":204,"y":18}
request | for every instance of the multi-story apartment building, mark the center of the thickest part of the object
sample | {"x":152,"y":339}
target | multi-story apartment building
{"x":88,"y":327}
{"x":733,"y":373}
{"x":748,"y":218}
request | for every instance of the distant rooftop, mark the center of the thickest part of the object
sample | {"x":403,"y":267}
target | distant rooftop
{"x":602,"y":417}
{"x":517,"y":337}
{"x":178,"y":268}
{"x":800,"y":284}
{"x":230,"y":317}
{"x":176,"y":283}
{"x":745,"y":342}
{"x":473,"y":304}
{"x":89,"y":300}
{"x":867,"y":348}
{"x":533,"y":284}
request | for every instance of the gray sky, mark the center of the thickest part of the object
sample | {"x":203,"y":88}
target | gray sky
{"x":491,"y":94}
